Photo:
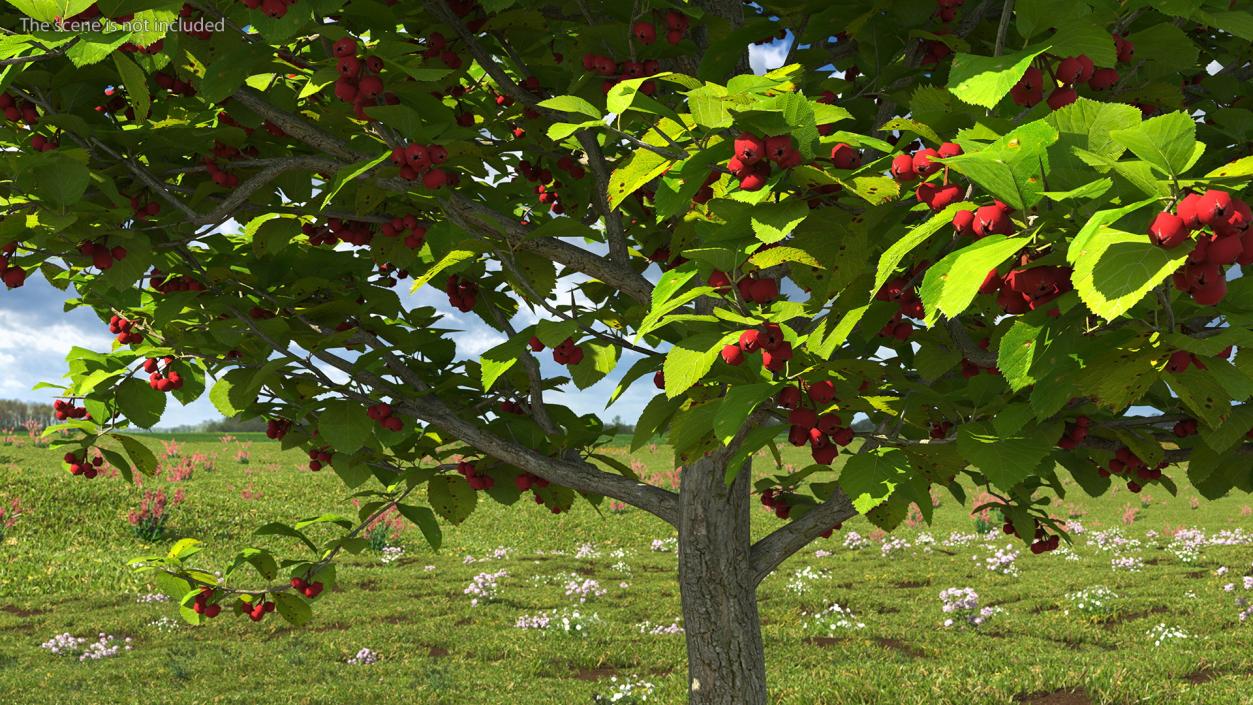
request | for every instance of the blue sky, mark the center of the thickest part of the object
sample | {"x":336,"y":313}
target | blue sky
{"x":36,"y":332}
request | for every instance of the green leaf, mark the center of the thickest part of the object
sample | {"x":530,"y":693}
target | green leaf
{"x":451,"y":497}
{"x":1012,"y":167}
{"x":271,"y":233}
{"x":824,"y":345}
{"x":1096,"y":222}
{"x":951,"y":284}
{"x":275,"y":528}
{"x":451,"y":259}
{"x":1203,"y":395}
{"x":1080,"y":35}
{"x":1118,"y":269}
{"x":1166,"y":141}
{"x":140,"y":403}
{"x":352,"y":471}
{"x":140,"y":455}
{"x":914,"y":126}
{"x":599,"y":359}
{"x":571,"y":104}
{"x":736,"y":407}
{"x":94,"y":47}
{"x":1225,"y":436}
{"x":294,"y":609}
{"x":350,"y":173}
{"x":1022,"y":346}
{"x":869,"y":478}
{"x":643,"y":166}
{"x":893,"y":256}
{"x":656,"y":412}
{"x":985,"y":80}
{"x":227,"y":74}
{"x":1005,"y":459}
{"x":344,"y":426}
{"x":424,"y":519}
{"x":118,"y":461}
{"x":50,"y":10}
{"x":773,"y":221}
{"x":499,"y":360}
{"x":58,"y":177}
{"x":690,"y":360}
{"x":136,"y":84}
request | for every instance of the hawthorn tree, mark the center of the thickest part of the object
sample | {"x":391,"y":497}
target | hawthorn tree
{"x":985,"y":230}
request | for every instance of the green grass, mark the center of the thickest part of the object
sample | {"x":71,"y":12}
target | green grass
{"x":62,"y":568}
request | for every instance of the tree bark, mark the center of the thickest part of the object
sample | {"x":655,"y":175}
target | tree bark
{"x":726,"y":662}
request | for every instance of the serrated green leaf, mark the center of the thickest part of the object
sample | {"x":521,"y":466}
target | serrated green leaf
{"x":344,"y":426}
{"x":950,"y":285}
{"x":1116,"y":270}
{"x":451,"y":497}
{"x":985,"y":80}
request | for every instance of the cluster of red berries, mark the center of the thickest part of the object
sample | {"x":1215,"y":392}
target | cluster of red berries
{"x":337,"y":230}
{"x":476,"y":480}
{"x":153,"y":48}
{"x":81,"y":467}
{"x":510,"y":406}
{"x":919,"y":165}
{"x":1042,"y":542}
{"x":529,"y":482}
{"x":319,"y":458}
{"x":125,"y":330}
{"x":164,"y":80}
{"x":389,"y":276}
{"x":143,"y":209}
{"x":306,"y":588}
{"x":43,"y":144}
{"x":102,"y":256}
{"x":359,"y":82}
{"x":984,"y":221}
{"x":616,"y":72}
{"x":161,"y":376}
{"x":1075,"y":434}
{"x":775,"y":351}
{"x":825,"y":433}
{"x":1068,"y":73}
{"x":275,"y":429}
{"x":165,"y":284}
{"x":408,"y":227}
{"x":904,"y":292}
{"x":63,"y":410}
{"x":1126,"y":463}
{"x":437,"y":48}
{"x":12,"y":275}
{"x":1229,"y":242}
{"x":645,"y":31}
{"x":220,"y":176}
{"x":422,"y":161}
{"x":753,"y":155}
{"x":565,"y":353}
{"x":463,"y":294}
{"x":1185,"y":428}
{"x":940,"y":430}
{"x":258,"y":611}
{"x":1023,"y":290}
{"x":201,"y":605}
{"x":778,"y":501}
{"x":383,"y":413}
{"x":752,"y":288}
{"x":18,"y":109}
{"x":275,"y":9}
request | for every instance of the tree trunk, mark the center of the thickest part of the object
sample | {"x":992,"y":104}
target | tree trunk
{"x":725,"y":661}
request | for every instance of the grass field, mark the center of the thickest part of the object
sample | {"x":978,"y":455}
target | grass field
{"x":62,"y":569}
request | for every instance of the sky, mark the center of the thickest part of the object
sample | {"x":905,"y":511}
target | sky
{"x":36,"y":333}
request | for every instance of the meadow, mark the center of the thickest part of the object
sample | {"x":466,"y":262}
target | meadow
{"x":1144,"y":607}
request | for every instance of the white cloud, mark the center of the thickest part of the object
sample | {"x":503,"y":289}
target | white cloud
{"x":767,"y":57}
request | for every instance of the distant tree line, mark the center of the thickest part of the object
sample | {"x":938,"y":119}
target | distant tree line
{"x":14,"y":413}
